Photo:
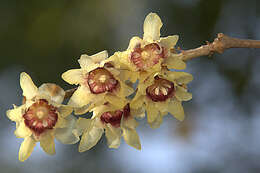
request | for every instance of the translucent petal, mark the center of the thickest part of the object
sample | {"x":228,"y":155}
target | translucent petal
{"x":169,"y":42}
{"x":65,"y":110}
{"x":152,"y":112}
{"x":182,"y":95}
{"x":152,"y":26}
{"x":70,"y":134}
{"x":131,"y":138}
{"x":129,"y":122}
{"x":55,"y":92}
{"x":113,"y":136}
{"x":27,"y":85}
{"x":90,"y":137}
{"x":157,"y":122}
{"x":26,"y":148}
{"x":73,"y":76}
{"x":137,"y":102}
{"x":61,"y":123}
{"x":82,"y":124}
{"x":134,"y":42}
{"x":80,"y":97}
{"x":117,"y":101}
{"x":125,"y":90}
{"x":180,"y":77}
{"x":175,"y":108}
{"x":16,"y":113}
{"x":89,"y":63}
{"x":22,"y":131}
{"x":47,"y":142}
{"x":175,"y":62}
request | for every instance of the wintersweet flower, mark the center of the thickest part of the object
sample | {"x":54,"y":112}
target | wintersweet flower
{"x":99,"y":82}
{"x":115,"y":121}
{"x":148,"y":54}
{"x":161,"y":94}
{"x":42,"y":118}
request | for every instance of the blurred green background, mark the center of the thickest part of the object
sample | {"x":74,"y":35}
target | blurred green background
{"x":221,"y":132}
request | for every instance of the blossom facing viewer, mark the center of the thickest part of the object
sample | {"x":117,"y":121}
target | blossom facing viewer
{"x":112,"y":120}
{"x":42,"y":118}
{"x":147,"y":55}
{"x":162,"y":93}
{"x":99,"y":82}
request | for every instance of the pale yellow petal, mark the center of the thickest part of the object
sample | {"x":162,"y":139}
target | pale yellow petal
{"x":80,"y":97}
{"x":152,"y":112}
{"x":47,"y":142}
{"x":73,"y":76}
{"x":55,"y":92}
{"x":16,"y":113}
{"x":65,"y":110}
{"x":90,"y":137}
{"x":175,"y":62}
{"x":152,"y":26}
{"x":113,"y":136}
{"x":125,"y":90}
{"x":179,"y":77}
{"x":70,"y":134}
{"x":129,"y":122}
{"x":27,"y":85}
{"x":26,"y":148}
{"x":82,"y":124}
{"x":182,"y":95}
{"x":89,"y":63}
{"x":132,"y":138}
{"x":61,"y":123}
{"x":134,"y":42}
{"x":22,"y":131}
{"x":138,"y":113}
{"x":157,"y":122}
{"x":169,"y":42}
{"x":175,"y":108}
{"x":117,"y":101}
{"x":100,"y":56}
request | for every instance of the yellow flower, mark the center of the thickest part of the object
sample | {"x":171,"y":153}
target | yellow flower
{"x":148,"y":54}
{"x":99,"y":82}
{"x":42,"y":118}
{"x":163,"y":93}
{"x":115,"y":121}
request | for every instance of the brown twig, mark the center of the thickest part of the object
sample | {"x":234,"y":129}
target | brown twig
{"x":219,"y":45}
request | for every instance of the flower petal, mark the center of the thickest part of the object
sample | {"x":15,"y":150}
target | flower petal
{"x":61,"y":123}
{"x":22,"y":131}
{"x":26,"y":148}
{"x":16,"y":113}
{"x":65,"y":110}
{"x":73,"y":76}
{"x":113,"y":136}
{"x":55,"y":92}
{"x":175,"y":108}
{"x":82,"y":124}
{"x":134,"y":42}
{"x":182,"y":95}
{"x":169,"y":42}
{"x":116,"y":101}
{"x":47,"y":142}
{"x":152,"y":112}
{"x":175,"y":62}
{"x":157,"y":122}
{"x":89,"y":63}
{"x":68,"y":135}
{"x":131,"y":138}
{"x":80,"y":97}
{"x":27,"y":85}
{"x":152,"y":26}
{"x":180,"y":77}
{"x":90,"y":137}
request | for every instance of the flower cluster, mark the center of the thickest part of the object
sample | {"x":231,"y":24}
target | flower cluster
{"x":115,"y":90}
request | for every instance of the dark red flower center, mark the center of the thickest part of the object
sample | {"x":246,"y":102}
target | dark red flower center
{"x":101,"y":80}
{"x":148,"y":56}
{"x":160,"y":90}
{"x":114,"y":117}
{"x":40,"y":116}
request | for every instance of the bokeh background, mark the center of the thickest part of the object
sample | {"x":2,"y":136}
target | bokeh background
{"x":221,"y":133}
